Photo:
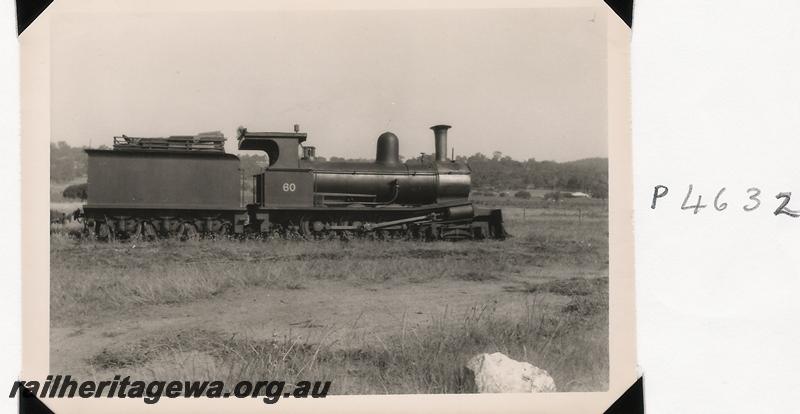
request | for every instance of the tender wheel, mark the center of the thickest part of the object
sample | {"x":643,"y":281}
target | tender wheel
{"x":148,"y":231}
{"x":104,"y":232}
{"x":187,"y":231}
{"x":136,"y":233}
{"x":89,"y":232}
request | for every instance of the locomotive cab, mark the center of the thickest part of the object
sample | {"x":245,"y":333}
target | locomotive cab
{"x":284,"y":183}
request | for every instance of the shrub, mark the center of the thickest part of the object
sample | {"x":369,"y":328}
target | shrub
{"x":523,"y":194}
{"x":76,"y":191}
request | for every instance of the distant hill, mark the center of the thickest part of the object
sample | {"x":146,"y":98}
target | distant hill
{"x":597,"y":164}
{"x":500,"y":172}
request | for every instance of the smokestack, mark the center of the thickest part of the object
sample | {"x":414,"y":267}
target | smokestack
{"x":440,"y":135}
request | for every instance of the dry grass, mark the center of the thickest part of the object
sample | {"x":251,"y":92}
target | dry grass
{"x":569,"y":344}
{"x":99,"y":277}
{"x":553,"y":254}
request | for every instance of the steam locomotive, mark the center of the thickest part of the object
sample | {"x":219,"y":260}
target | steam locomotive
{"x":187,"y":187}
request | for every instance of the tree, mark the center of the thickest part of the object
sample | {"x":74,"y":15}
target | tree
{"x":66,"y":163}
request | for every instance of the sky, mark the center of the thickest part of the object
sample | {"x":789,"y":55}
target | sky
{"x":530,"y":83}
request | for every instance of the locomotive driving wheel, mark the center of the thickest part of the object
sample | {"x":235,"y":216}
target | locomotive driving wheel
{"x":305,"y":228}
{"x":311,"y":228}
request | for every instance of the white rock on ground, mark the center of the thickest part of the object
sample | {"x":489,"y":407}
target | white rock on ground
{"x":498,"y":373}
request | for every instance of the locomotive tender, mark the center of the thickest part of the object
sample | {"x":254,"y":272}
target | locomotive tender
{"x":185,"y":186}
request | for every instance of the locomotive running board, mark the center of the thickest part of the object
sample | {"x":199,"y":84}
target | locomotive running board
{"x":389,"y":207}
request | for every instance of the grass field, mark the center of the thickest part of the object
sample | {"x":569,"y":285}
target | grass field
{"x":373,"y":317}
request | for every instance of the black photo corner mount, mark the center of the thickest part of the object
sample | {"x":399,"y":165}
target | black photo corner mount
{"x":30,"y":404}
{"x":623,"y":9}
{"x":631,"y":401}
{"x":28,"y":11}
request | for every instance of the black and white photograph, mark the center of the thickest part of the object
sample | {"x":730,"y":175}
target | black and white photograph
{"x":400,"y":206}
{"x":348,"y":201}
{"x":404,"y":202}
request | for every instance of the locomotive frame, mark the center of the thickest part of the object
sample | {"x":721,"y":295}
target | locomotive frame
{"x":188,"y":187}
